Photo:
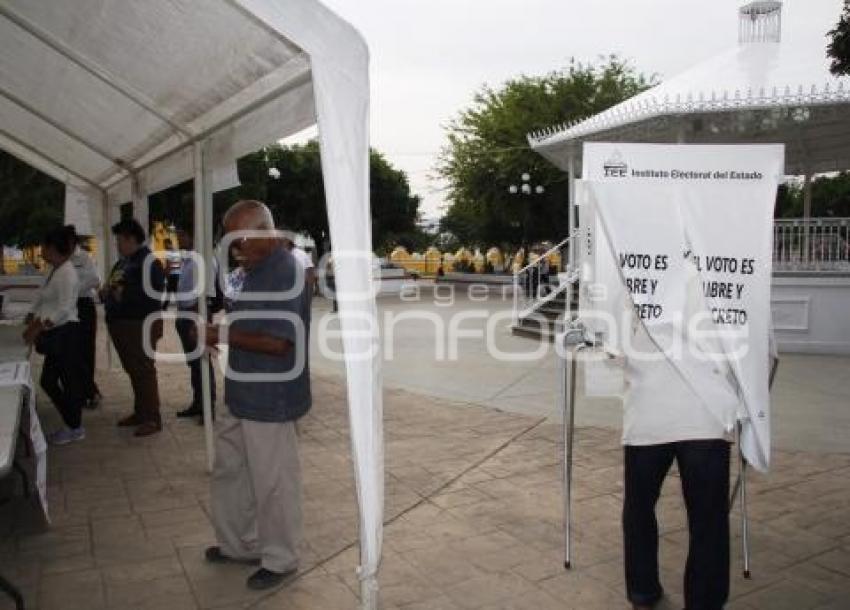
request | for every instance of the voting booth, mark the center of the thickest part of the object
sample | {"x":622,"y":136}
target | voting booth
{"x":675,"y":245}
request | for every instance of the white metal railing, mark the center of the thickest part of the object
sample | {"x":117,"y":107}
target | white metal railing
{"x":815,"y":244}
{"x":533,"y":285}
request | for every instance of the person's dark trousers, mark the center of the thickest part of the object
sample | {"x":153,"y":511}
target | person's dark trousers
{"x":139,"y":366}
{"x":171,"y":282}
{"x":704,"y":472}
{"x":61,"y":374}
{"x":87,"y":340}
{"x":187,"y":331}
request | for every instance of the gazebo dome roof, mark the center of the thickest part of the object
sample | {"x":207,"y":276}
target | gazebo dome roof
{"x":757,"y":92}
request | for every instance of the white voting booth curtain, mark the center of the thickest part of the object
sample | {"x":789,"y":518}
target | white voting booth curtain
{"x":128,"y":98}
{"x":680,"y":233}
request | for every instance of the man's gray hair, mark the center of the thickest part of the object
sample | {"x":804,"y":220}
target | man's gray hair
{"x":259,"y":213}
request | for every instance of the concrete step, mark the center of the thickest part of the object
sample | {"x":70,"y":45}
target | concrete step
{"x":538,"y":329}
{"x":539,"y":334}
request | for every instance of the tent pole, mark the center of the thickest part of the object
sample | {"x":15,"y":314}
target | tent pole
{"x":203,"y":245}
{"x":140,"y":204}
{"x":108,"y":261}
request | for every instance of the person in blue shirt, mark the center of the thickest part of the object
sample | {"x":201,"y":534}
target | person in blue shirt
{"x":256,"y":481}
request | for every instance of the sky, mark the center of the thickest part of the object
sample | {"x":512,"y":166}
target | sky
{"x":429,"y":57}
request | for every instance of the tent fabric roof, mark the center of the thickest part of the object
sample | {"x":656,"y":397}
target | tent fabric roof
{"x":98,"y":88}
{"x":757,"y":92}
{"x":103,"y":94}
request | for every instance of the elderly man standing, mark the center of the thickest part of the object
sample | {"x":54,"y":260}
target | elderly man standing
{"x":256,"y":483}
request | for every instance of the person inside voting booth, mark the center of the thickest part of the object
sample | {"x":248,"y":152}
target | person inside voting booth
{"x":661,"y":425}
{"x":681,"y":299}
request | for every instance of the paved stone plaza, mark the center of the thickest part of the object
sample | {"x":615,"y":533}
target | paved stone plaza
{"x":473,"y":516}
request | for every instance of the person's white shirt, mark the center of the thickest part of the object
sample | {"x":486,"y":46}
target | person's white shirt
{"x":56,"y":301}
{"x":174,"y":259}
{"x":186,"y":283}
{"x":304,"y":259}
{"x":660,"y":406}
{"x":86,"y":273}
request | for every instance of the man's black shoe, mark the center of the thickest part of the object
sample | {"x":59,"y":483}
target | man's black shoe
{"x":213,"y":554}
{"x":190,"y":411}
{"x":266,"y":579}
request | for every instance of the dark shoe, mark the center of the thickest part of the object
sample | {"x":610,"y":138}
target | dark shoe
{"x":266,"y":579}
{"x":190,"y":411}
{"x":129,"y":421}
{"x":148,"y":428}
{"x":213,"y":554}
{"x":652,"y":603}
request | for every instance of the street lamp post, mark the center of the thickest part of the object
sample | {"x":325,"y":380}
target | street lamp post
{"x":526,"y":190}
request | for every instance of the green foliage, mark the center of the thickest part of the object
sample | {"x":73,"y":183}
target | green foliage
{"x":30,"y":202}
{"x":487,"y":151}
{"x":839,"y":45}
{"x":830,"y":198}
{"x":297,"y":198}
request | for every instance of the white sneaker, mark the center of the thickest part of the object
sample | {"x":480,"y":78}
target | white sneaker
{"x":67,"y":435}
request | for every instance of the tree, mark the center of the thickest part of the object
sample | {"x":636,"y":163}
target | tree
{"x":839,"y":46}
{"x":487,"y":151}
{"x":297,"y":197}
{"x":830,"y":198}
{"x":30,"y":202}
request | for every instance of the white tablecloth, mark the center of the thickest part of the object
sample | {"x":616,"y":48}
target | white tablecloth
{"x":15,"y":382}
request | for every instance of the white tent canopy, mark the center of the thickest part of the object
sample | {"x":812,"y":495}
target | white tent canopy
{"x":121,"y":99}
{"x":761,"y":91}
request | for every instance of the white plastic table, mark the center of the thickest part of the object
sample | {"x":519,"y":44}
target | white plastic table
{"x":12,"y":349}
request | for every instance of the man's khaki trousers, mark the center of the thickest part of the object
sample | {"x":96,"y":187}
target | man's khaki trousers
{"x":256,"y":491}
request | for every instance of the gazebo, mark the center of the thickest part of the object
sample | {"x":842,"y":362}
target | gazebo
{"x":765,"y":90}
{"x":122,"y":99}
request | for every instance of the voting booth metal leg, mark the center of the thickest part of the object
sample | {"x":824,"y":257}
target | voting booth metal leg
{"x":567,"y":370}
{"x":745,"y":525}
{"x":741,"y":487}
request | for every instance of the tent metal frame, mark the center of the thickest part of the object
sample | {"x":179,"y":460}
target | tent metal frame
{"x":89,"y":67}
{"x":312,"y":63}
